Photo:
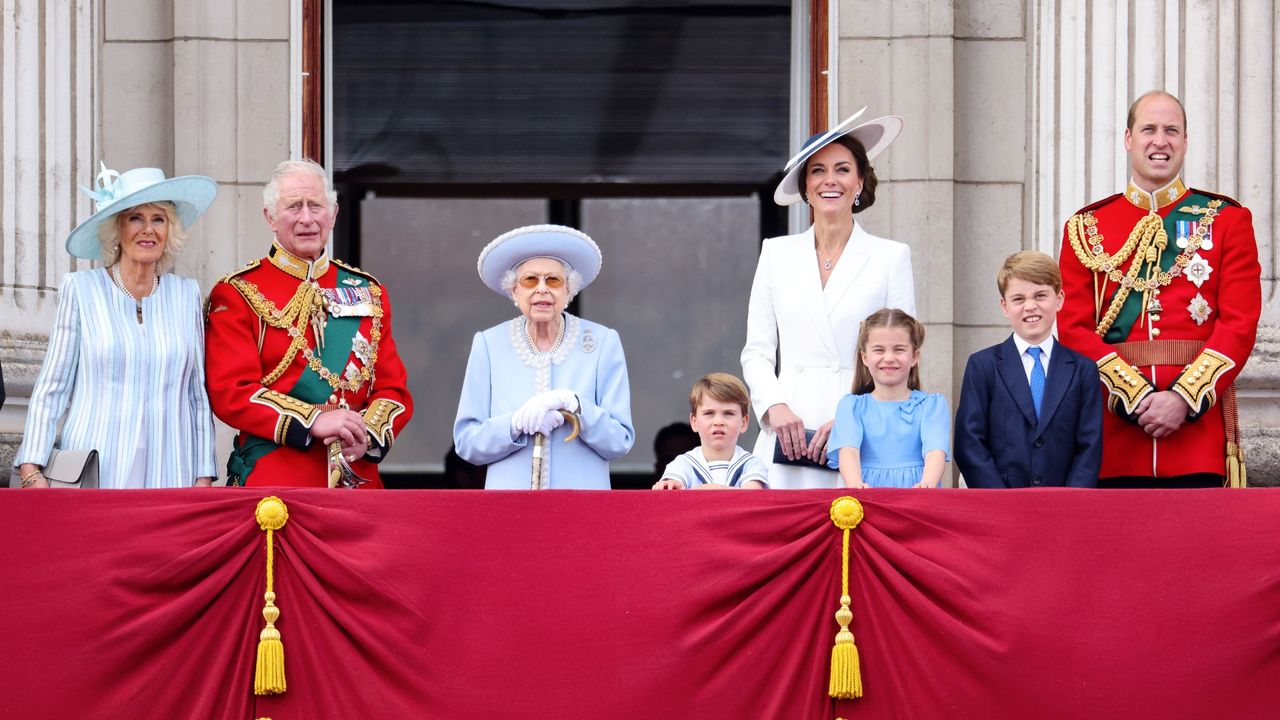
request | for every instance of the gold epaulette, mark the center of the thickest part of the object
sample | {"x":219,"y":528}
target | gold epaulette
{"x":1197,"y":381}
{"x":253,"y":264}
{"x":1218,"y":196}
{"x":356,"y":271}
{"x":1094,"y":206}
{"x":1125,"y":383}
{"x":226,"y":279}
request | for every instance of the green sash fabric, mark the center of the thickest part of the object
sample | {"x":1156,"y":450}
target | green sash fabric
{"x":1132,"y":308}
{"x":338,"y":334}
{"x":310,"y":387}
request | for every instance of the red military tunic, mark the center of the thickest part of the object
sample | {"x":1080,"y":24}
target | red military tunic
{"x":1185,"y":323}
{"x":268,"y":378}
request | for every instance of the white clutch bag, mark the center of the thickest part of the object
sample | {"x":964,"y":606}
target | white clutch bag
{"x":70,"y":469}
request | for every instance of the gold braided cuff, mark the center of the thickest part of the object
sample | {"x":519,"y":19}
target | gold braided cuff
{"x":1197,"y":381}
{"x":289,"y":409}
{"x":378,"y":418}
{"x":1125,"y":382}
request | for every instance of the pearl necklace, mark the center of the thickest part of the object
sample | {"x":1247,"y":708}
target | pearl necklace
{"x":554,"y":346}
{"x":119,"y":282}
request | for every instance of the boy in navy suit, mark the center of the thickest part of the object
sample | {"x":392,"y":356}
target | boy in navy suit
{"x":1030,"y":412}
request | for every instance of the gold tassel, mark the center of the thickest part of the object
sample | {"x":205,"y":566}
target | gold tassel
{"x":268,"y":676}
{"x":1237,"y":475}
{"x":846,"y":668}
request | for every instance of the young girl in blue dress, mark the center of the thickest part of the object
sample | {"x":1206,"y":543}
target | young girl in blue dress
{"x":889,"y":433}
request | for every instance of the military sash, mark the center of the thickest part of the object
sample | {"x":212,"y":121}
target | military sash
{"x":346,"y":313}
{"x":1174,"y":222}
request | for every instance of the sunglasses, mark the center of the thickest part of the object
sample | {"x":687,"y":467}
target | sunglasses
{"x":553,"y":282}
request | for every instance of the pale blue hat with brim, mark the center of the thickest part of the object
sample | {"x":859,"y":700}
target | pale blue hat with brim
{"x":190,"y":194}
{"x":875,"y":135}
{"x":573,"y":247}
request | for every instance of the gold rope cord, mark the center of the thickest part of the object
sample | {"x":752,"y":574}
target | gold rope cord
{"x":846,"y":667}
{"x":268,"y":677}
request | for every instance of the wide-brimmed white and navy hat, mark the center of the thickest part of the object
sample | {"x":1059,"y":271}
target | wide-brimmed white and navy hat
{"x":113,"y":192}
{"x":875,"y":135}
{"x":573,"y":247}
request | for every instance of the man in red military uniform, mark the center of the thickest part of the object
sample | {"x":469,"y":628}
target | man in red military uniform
{"x":1163,"y":291}
{"x":299,"y":355}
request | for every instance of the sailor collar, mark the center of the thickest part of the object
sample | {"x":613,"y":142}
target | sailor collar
{"x":1157,"y":200}
{"x":296,"y":266}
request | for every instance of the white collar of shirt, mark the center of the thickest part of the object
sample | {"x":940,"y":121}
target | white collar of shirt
{"x":1046,"y":349}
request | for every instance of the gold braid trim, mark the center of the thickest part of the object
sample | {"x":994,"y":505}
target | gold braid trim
{"x":378,"y":418}
{"x":288,"y":407}
{"x":1085,"y":225}
{"x":1197,"y":381}
{"x":293,"y":318}
{"x":1151,"y":236}
{"x":308,"y":302}
{"x":1149,"y":239}
{"x":282,"y":428}
{"x":1125,"y":382}
{"x":365,"y":375}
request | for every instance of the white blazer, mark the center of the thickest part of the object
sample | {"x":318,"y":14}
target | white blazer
{"x":815,"y":328}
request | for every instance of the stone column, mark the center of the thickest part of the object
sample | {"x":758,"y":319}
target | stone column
{"x":48,"y":53}
{"x":954,"y":184}
{"x":1091,"y":59}
{"x":898,"y":58}
{"x":189,"y":86}
{"x":215,"y":78}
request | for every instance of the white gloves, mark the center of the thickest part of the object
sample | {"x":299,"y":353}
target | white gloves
{"x":551,"y":420}
{"x":561,"y":399}
{"x":538,"y":413}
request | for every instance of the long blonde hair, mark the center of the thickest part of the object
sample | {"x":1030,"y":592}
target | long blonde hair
{"x":886,"y":318}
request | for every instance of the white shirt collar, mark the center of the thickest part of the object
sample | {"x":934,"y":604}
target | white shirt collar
{"x":1046,"y":346}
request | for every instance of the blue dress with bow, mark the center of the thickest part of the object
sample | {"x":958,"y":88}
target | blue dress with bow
{"x":892,"y":437}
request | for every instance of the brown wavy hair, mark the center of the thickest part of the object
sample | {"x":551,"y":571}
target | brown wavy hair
{"x":886,"y":318}
{"x":867,"y":197}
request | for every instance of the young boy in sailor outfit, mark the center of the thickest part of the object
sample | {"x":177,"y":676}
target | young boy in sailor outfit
{"x":718,"y":413}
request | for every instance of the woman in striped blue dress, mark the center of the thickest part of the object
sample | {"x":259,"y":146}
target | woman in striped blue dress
{"x":124,"y":370}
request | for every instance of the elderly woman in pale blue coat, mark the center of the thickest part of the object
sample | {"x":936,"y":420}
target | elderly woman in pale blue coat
{"x":124,"y":370}
{"x":524,"y":372}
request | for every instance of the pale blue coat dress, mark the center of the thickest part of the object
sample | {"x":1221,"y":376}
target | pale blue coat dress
{"x":133,"y":392}
{"x":504,"y":371}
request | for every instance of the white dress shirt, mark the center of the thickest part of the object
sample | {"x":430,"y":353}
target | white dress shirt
{"x":1046,"y":349}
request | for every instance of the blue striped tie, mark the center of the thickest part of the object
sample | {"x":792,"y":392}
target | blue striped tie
{"x":1037,"y":378}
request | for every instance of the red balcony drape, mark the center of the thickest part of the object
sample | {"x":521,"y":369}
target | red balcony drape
{"x":484,"y":605}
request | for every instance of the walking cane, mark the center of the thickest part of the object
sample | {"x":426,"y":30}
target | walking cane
{"x":540,"y":447}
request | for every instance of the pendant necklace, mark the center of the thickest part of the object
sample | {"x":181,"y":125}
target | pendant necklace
{"x":828,"y":262}
{"x":115,"y":277}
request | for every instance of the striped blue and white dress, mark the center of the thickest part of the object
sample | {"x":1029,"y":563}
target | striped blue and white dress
{"x":133,"y":392}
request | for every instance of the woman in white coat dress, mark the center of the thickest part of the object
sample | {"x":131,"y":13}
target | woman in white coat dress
{"x":812,"y":291}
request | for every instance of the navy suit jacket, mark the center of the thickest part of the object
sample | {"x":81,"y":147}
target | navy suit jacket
{"x":1000,"y":442}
